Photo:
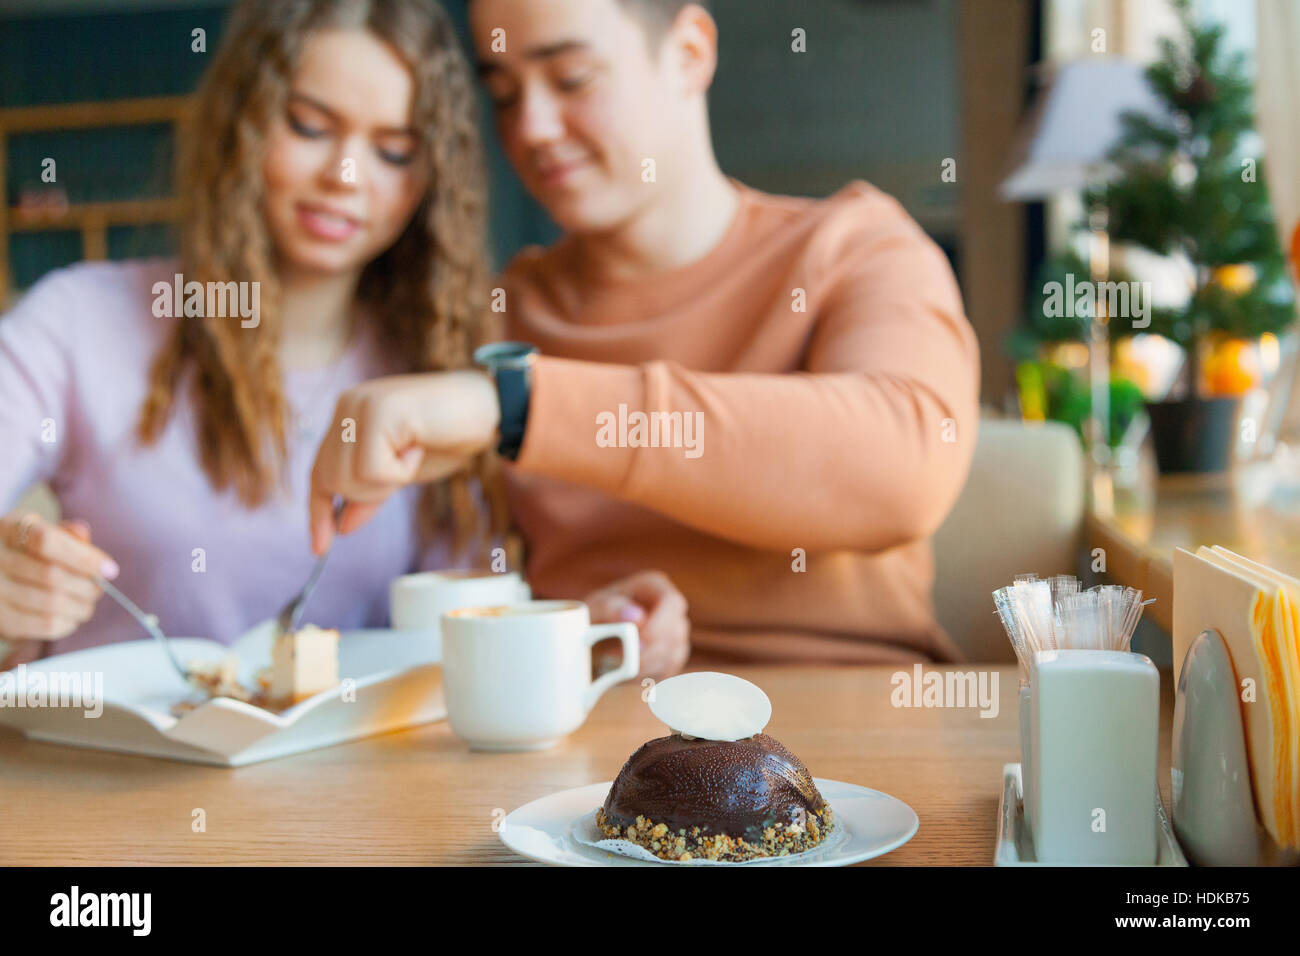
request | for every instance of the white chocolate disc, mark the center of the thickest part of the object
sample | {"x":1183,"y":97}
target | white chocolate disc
{"x":711,"y":706}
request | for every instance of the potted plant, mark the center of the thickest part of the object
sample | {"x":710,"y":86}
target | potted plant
{"x":1186,"y":184}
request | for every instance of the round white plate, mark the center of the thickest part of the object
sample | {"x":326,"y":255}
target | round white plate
{"x":871,"y":823}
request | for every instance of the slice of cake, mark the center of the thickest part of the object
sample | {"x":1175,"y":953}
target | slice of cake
{"x":683,"y":798}
{"x":303,"y":663}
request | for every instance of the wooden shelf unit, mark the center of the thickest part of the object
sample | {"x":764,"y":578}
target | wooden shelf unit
{"x":92,"y":220}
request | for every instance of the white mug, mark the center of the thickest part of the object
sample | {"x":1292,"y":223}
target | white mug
{"x":417,"y":602}
{"x":518,"y":676}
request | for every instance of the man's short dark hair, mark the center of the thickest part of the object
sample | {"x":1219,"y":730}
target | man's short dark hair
{"x":658,"y":15}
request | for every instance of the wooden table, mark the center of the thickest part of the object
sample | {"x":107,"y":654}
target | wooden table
{"x":1253,"y":510}
{"x":420,"y":796}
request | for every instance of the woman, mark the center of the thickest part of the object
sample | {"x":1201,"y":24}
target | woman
{"x":333,"y":172}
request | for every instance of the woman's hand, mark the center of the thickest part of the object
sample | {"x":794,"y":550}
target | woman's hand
{"x":649,"y":600}
{"x":47,"y":572}
{"x":394,"y":432}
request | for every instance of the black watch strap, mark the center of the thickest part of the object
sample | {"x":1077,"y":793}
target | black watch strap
{"x":511,"y":366}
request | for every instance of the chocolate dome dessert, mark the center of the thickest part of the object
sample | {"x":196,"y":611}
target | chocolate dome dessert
{"x":683,"y":798}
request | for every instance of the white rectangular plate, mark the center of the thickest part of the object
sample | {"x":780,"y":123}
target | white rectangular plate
{"x":389,"y":680}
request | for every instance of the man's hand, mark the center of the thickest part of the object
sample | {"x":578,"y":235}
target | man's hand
{"x":649,"y":600}
{"x":393,"y":432}
{"x":47,"y":572}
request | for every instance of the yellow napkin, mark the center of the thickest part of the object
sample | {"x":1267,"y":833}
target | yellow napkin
{"x":1257,"y":611}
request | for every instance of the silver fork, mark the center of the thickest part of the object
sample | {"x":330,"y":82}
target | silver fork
{"x":150,"y":623}
{"x":290,"y":615}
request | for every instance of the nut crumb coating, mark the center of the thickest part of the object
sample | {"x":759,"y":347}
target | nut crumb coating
{"x":683,"y":845}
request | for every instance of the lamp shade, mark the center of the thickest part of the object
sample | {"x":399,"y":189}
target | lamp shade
{"x":1075,"y":123}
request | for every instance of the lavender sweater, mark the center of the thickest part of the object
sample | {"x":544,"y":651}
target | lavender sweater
{"x":74,"y":359}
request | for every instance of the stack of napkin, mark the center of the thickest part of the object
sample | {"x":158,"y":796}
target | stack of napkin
{"x":1257,"y":611}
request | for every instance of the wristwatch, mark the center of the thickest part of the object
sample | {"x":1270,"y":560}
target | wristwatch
{"x":511,"y":366}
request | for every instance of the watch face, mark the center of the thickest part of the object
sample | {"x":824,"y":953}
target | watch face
{"x":505,"y":355}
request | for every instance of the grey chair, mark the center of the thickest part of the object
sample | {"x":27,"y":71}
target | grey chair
{"x":1022,"y":510}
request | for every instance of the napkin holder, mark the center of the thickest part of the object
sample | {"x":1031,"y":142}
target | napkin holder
{"x":1213,"y":797}
{"x":1093,"y":734}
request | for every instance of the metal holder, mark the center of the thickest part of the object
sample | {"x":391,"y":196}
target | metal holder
{"x":1214,"y":806}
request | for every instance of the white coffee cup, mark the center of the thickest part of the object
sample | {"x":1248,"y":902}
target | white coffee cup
{"x":417,"y":602}
{"x":518,"y":676}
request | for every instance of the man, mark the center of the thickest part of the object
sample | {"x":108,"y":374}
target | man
{"x":771,"y":400}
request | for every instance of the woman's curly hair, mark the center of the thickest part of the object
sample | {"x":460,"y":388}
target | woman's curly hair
{"x":427,"y":293}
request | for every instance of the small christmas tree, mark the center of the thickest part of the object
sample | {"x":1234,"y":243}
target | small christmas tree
{"x":1187,"y":184}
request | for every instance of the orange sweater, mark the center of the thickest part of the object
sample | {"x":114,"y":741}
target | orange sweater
{"x":824,"y":346}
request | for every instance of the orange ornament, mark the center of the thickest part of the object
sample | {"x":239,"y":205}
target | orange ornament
{"x":1295,"y":251}
{"x":1232,"y":368}
{"x":1237,"y":279}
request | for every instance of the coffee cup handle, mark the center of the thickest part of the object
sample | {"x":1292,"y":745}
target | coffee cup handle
{"x":630,"y":638}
